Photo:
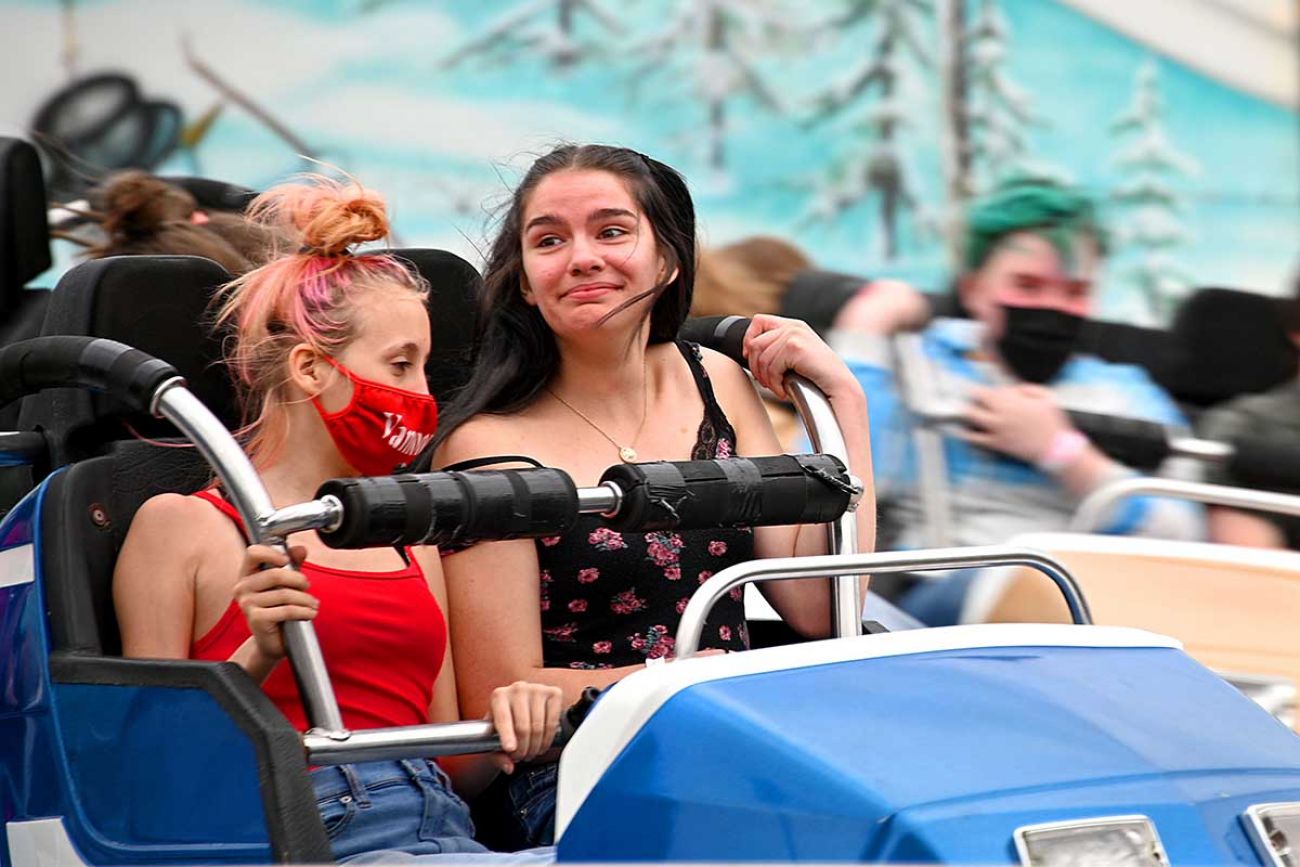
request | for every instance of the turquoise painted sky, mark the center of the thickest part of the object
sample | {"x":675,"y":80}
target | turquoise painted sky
{"x":364,"y":83}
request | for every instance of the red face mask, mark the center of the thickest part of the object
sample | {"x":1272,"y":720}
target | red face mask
{"x":382,"y":427}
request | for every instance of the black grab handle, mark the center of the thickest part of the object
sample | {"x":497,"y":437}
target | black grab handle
{"x":65,"y":361}
{"x":451,"y":507}
{"x":736,"y":492}
{"x":725,"y":334}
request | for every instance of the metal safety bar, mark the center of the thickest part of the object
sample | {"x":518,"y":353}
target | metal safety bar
{"x":375,"y":745}
{"x":1097,"y":505}
{"x":932,"y":560}
{"x":842,"y":534}
{"x":241,"y":484}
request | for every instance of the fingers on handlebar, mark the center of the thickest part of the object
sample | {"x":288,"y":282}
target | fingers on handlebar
{"x":526,"y":717}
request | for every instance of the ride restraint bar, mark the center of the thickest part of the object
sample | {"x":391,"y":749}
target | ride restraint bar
{"x":465,"y":507}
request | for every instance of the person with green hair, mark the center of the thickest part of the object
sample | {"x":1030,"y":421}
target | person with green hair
{"x":1006,"y":376}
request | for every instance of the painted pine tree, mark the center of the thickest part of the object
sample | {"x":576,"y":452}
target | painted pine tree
{"x":998,"y":112}
{"x":546,"y":28}
{"x":871,"y":169}
{"x":1151,"y":227}
{"x":713,"y":47}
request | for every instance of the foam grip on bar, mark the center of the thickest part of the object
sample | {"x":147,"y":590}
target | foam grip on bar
{"x":737,"y":492}
{"x":451,"y":508}
{"x":725,"y":334}
{"x":1267,"y":463}
{"x":66,"y":361}
{"x":1142,"y":445}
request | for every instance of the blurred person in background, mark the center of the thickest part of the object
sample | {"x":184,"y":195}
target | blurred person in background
{"x":768,"y":275}
{"x":1016,"y":464}
{"x":144,"y":215}
{"x":1275,"y":414}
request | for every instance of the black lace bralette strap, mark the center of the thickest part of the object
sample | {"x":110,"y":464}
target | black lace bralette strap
{"x":712,"y":409}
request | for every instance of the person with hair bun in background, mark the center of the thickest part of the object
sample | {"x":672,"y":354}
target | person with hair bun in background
{"x":144,"y":215}
{"x":767,"y":275}
{"x":328,"y":348}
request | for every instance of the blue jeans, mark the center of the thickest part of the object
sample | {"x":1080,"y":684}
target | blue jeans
{"x":518,"y":811}
{"x":400,"y":812}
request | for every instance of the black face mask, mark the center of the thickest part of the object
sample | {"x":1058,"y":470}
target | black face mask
{"x":1038,"y":341}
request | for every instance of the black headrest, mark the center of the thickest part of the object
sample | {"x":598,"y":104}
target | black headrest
{"x":85,"y":515}
{"x":1228,"y":342}
{"x":24,"y":233}
{"x":453,"y":304}
{"x":158,"y":304}
{"x":214,"y":195}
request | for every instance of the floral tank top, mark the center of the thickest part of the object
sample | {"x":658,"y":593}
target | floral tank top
{"x":610,"y":599}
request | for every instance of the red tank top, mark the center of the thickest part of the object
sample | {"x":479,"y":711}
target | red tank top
{"x":382,"y":634}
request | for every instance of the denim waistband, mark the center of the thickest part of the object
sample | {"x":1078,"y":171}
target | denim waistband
{"x":357,"y":779}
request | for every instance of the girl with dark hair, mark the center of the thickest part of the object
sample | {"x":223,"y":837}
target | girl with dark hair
{"x":588,"y":282}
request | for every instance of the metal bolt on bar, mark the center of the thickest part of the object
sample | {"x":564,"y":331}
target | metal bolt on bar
{"x":1097,"y":505}
{"x":842,"y":535}
{"x":175,"y":403}
{"x":851,"y":565}
{"x":604,"y":499}
{"x":323,"y":514}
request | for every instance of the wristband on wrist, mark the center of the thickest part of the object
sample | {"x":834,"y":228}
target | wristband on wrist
{"x":652,"y":661}
{"x":1064,"y":449}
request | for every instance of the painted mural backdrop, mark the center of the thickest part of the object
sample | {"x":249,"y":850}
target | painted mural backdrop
{"x":832,"y":123}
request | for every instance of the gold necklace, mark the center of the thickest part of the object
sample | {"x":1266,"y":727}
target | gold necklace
{"x":626,"y":454}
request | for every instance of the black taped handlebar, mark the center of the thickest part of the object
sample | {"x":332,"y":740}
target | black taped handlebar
{"x":738,"y":492}
{"x":461,"y":508}
{"x":451,"y":508}
{"x":1268,"y":463}
{"x":725,"y":334}
{"x":1142,"y":445}
{"x":104,"y":365}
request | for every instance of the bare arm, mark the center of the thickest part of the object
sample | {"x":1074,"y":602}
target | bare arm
{"x":1233,"y":527}
{"x":524,"y":714}
{"x":494,"y":593}
{"x":155,"y":585}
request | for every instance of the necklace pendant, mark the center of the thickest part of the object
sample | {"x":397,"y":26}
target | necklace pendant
{"x":627,"y":454}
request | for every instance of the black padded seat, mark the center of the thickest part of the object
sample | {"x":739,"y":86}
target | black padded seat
{"x":24,"y":232}
{"x":1227,"y":342}
{"x":158,"y":304}
{"x":453,"y":316}
{"x":84,"y":519}
{"x":87,"y":510}
{"x":214,"y":195}
{"x":24,"y":249}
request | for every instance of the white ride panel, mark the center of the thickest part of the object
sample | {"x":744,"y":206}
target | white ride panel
{"x":621,"y":713}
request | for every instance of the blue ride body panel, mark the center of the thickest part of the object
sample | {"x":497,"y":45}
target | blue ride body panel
{"x":78,"y":752}
{"x":939,"y":756}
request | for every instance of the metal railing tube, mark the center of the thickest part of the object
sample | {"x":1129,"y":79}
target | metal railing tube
{"x":323,"y":514}
{"x":426,"y":741}
{"x":242,"y":485}
{"x":1097,"y":505}
{"x":697,"y":611}
{"x":842,"y":535}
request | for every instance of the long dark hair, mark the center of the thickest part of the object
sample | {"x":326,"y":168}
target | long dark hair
{"x":516,"y":354}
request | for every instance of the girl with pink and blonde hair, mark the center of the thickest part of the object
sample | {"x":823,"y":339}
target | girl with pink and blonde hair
{"x":328,"y":347}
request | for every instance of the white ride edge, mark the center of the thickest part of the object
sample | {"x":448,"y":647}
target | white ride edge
{"x":622,"y":712}
{"x":41,"y":843}
{"x":17,"y":566}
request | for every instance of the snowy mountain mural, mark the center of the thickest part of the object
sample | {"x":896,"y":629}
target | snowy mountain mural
{"x":855,"y":128}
